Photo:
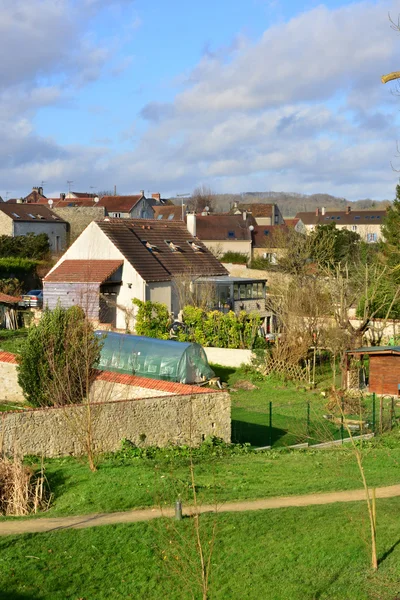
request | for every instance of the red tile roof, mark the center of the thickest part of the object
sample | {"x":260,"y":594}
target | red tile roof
{"x":343,"y":217}
{"x":224,"y":227}
{"x":61,"y":203}
{"x":257,"y":209}
{"x":7,"y":357}
{"x":6,"y":299}
{"x":152,"y":384}
{"x":168,"y":212}
{"x":83,"y":271}
{"x":123,"y":204}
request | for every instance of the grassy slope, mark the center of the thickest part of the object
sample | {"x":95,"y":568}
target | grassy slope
{"x":142,"y":482}
{"x":287,"y":554}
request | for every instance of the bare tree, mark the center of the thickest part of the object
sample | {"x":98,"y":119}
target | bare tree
{"x":201,"y":197}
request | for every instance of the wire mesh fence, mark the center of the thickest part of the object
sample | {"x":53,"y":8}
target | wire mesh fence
{"x":309,"y":423}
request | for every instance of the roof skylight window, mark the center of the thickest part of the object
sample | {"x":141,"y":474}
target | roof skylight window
{"x":15,"y":215}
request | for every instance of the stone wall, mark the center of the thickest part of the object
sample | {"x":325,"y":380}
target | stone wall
{"x":228,"y":357}
{"x":79,"y":217}
{"x":184,"y":419}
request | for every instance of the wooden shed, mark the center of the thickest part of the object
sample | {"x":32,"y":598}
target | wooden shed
{"x":384,"y":368}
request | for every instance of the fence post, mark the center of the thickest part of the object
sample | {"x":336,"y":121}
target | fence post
{"x":381,"y":414}
{"x":341,"y":419}
{"x":308,"y":422}
{"x":270,"y":424}
{"x":391,"y":413}
{"x":373,"y":412}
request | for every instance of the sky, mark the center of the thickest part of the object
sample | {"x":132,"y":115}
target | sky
{"x":164,"y":96}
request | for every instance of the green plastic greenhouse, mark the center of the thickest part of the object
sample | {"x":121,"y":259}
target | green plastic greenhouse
{"x":156,"y":359}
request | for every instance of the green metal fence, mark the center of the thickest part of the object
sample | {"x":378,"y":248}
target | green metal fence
{"x":280,"y":425}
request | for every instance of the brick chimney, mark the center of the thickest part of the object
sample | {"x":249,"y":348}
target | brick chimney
{"x":348,"y":210}
{"x":156,"y":197}
{"x":317,"y":212}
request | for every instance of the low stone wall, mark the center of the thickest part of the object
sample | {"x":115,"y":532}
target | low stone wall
{"x":228,"y":357}
{"x":182,"y":419}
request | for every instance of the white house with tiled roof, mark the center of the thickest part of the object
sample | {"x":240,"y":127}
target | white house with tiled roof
{"x":116,"y":260}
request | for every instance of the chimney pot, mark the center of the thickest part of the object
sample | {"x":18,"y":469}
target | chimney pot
{"x":348,"y":210}
{"x":317,"y":212}
{"x":323,"y":210}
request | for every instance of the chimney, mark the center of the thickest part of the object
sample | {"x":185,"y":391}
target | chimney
{"x":115,"y":190}
{"x":62,"y":196}
{"x":244,"y":214}
{"x":156,"y":197}
{"x":20,"y":201}
{"x":191,"y":223}
{"x":317,"y":212}
{"x":142,"y":193}
{"x":40,"y":190}
{"x":323,"y":210}
{"x":348,"y":210}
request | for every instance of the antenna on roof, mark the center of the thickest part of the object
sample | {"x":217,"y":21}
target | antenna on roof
{"x":69,"y":184}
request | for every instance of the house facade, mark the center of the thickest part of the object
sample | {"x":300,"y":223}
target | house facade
{"x":264,"y":214}
{"x":367,"y":223}
{"x":128,"y":207}
{"x":22,"y":219}
{"x":223,"y":233}
{"x":116,"y":260}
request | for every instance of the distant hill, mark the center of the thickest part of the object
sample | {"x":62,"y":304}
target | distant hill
{"x":291,"y":203}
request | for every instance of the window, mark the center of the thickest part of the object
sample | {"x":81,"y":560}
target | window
{"x":333,"y":218}
{"x":242,"y":291}
{"x":327,"y":218}
{"x":236,"y":291}
{"x":170,"y":217}
{"x":372,"y":217}
{"x":337,"y":218}
{"x":116,"y":215}
{"x":357,"y":217}
{"x":15,"y":215}
{"x":159,"y":217}
{"x":231,"y":234}
{"x":266,"y":232}
{"x":32,"y":216}
{"x":58,"y":244}
{"x":173,"y":247}
{"x":372,"y":237}
{"x":378,"y":216}
{"x":354,"y":227}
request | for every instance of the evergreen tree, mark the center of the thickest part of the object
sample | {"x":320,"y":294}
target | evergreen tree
{"x":391,"y":235}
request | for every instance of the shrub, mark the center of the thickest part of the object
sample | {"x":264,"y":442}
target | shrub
{"x":56,"y":363}
{"x":236,"y":258}
{"x":31,"y":246}
{"x":152,"y":319}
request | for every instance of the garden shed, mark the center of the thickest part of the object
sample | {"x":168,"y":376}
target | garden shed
{"x":384,"y":368}
{"x":153,"y":358}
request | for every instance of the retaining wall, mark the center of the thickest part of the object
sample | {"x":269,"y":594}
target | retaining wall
{"x":10,"y":390}
{"x":186,"y":419}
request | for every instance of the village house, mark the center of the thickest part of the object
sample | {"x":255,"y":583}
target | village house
{"x":128,"y":207}
{"x":367,"y":223}
{"x":264,"y":214}
{"x":21,"y":219}
{"x":116,"y":260}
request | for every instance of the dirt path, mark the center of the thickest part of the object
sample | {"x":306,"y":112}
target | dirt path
{"x":134,"y":516}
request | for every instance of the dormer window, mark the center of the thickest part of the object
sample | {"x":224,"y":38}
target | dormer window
{"x":173,"y":247}
{"x":195,"y":247}
{"x":150,"y":246}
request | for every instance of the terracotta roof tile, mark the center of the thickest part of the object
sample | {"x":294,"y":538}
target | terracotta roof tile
{"x":343,"y":217}
{"x":83,"y":271}
{"x":122,"y":204}
{"x":6,"y":299}
{"x":30,"y":212}
{"x":223,"y":227}
{"x":152,"y":384}
{"x":7,"y":357}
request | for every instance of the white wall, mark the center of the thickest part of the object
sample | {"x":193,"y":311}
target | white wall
{"x":228,"y":357}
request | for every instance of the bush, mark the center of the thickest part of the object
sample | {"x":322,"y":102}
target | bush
{"x":17,"y":267}
{"x":236,"y":258}
{"x":56,"y":363}
{"x":31,"y":246}
{"x":152,"y":319}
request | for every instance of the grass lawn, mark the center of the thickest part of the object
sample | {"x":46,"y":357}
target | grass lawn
{"x":121,"y":484}
{"x":290,"y":406}
{"x":310,"y":553}
{"x":12,"y":341}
